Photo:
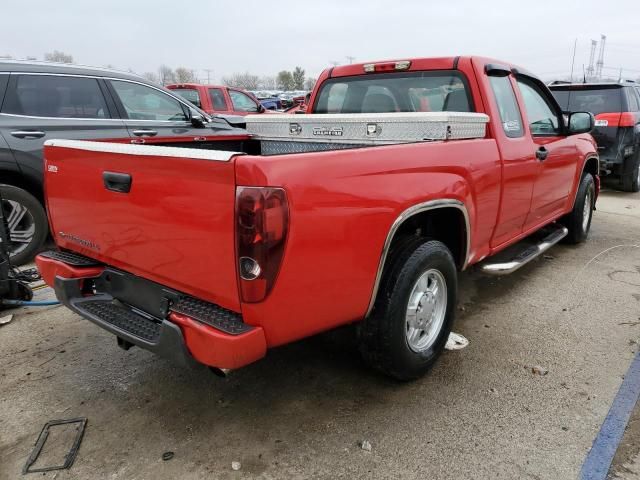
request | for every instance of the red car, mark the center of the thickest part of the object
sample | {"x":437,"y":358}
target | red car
{"x":218,"y":99}
{"x":362,"y":211}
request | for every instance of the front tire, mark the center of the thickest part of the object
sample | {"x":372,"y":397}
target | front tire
{"x":27,"y":223}
{"x":578,"y":221}
{"x":414,"y":310}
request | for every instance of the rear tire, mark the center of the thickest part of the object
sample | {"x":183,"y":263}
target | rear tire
{"x":27,"y":221}
{"x":414,"y":310}
{"x":579,"y":220}
{"x":631,"y":174}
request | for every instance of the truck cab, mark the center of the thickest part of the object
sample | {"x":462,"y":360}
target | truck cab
{"x":219,"y":99}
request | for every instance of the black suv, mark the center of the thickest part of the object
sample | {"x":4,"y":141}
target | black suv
{"x":616,"y":107}
{"x":41,"y":101}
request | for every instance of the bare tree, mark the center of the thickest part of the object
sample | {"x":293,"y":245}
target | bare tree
{"x":166,"y":75}
{"x":151,"y":77}
{"x":246,"y":81}
{"x":185,"y":75}
{"x":298,"y":78}
{"x":309,"y":83}
{"x":268,"y":83}
{"x":284,"y":80}
{"x":58,"y":56}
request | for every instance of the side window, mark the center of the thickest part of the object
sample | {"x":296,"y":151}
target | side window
{"x":189,"y":94}
{"x":55,"y":96}
{"x":542,"y":118}
{"x":145,"y":103}
{"x":242,"y":102}
{"x":217,"y":99}
{"x":507,"y":106}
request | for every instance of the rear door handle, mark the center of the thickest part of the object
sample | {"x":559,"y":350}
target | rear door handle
{"x":117,"y":182}
{"x":145,"y":132}
{"x":28,"y":134}
{"x":541,"y":154}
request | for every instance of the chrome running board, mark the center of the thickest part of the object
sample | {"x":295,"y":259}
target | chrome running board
{"x":523,"y":257}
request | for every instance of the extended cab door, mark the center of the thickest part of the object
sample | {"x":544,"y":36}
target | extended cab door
{"x":555,"y":153}
{"x":519,"y":167}
{"x":39,"y":107}
{"x":152,"y":115}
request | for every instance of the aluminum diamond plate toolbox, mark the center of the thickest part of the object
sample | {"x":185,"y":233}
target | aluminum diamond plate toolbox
{"x":368,"y":128}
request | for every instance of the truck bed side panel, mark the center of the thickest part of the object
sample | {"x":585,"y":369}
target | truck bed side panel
{"x":342,"y":205}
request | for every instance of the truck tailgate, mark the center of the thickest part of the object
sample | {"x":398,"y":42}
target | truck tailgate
{"x":174,"y":225}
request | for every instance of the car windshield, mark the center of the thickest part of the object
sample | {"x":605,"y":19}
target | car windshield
{"x":432,"y":91}
{"x":189,"y":94}
{"x":589,"y":99}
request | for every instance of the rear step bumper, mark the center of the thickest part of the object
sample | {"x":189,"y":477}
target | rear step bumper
{"x":184,"y":329}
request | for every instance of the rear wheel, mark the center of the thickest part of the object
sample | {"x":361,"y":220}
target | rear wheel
{"x":631,"y":174}
{"x":579,"y":220}
{"x":413,"y":314}
{"x":26,"y":222}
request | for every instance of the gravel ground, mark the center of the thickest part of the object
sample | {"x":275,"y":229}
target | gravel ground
{"x":306,"y":409}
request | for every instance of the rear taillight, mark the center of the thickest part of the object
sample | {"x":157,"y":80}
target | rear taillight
{"x":262,"y":222}
{"x":616,"y":119}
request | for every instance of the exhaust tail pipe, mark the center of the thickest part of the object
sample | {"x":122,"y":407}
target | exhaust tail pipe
{"x":220,"y":372}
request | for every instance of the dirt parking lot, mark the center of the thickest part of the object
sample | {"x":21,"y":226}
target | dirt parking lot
{"x":304,"y":410}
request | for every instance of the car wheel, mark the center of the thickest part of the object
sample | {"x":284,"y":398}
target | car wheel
{"x":579,"y":220}
{"x":26,"y":222}
{"x":412,"y":317}
{"x":631,"y":174}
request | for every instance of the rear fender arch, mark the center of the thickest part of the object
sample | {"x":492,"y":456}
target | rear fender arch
{"x":407,"y":214}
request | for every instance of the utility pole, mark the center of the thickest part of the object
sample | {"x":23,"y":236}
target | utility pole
{"x":334,"y":63}
{"x":573,"y":59}
{"x":590,"y":72}
{"x":600,"y":62}
{"x":208,"y":75}
{"x":350,"y":58}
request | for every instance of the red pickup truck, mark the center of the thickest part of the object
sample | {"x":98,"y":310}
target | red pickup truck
{"x":362,"y":211}
{"x":218,"y":99}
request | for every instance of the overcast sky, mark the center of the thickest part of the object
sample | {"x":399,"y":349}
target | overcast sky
{"x":264,"y":37}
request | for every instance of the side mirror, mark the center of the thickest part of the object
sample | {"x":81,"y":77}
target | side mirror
{"x":261,"y":108}
{"x":580,"y":122}
{"x":197,"y":120}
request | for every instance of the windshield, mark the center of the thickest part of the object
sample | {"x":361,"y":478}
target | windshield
{"x":594,"y":100}
{"x":189,"y":94}
{"x":432,"y":91}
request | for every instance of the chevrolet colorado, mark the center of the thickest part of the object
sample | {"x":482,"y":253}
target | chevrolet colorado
{"x":361,"y":211}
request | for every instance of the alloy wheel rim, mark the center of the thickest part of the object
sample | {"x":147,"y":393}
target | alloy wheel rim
{"x":586,"y":211}
{"x":426,"y":310}
{"x":21,"y":226}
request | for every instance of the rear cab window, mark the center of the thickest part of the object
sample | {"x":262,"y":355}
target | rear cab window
{"x":632,"y":100}
{"x":190,"y":94}
{"x":426,"y":91}
{"x":55,"y":96}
